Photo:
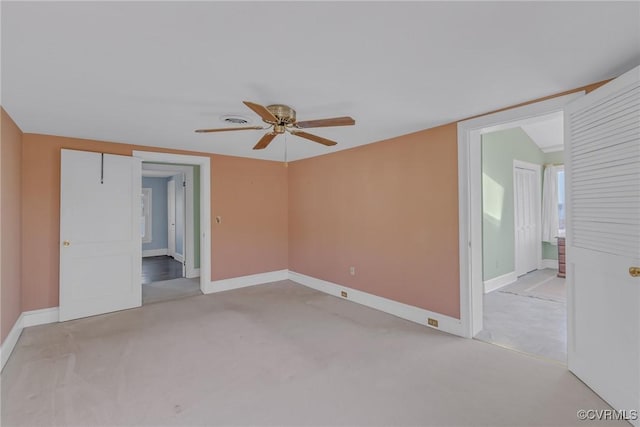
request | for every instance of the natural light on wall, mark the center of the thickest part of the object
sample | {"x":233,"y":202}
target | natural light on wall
{"x":492,"y":197}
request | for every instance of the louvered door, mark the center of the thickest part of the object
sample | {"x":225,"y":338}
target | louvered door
{"x":602,"y":155}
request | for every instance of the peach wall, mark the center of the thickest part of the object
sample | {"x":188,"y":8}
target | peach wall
{"x":10,"y":219}
{"x":236,"y":196}
{"x":250,"y":196}
{"x":389,"y":209}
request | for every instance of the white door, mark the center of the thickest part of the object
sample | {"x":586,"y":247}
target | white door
{"x":180,"y":221}
{"x":171,"y":217}
{"x":525,"y":192}
{"x":100,"y":243}
{"x":602,"y":176}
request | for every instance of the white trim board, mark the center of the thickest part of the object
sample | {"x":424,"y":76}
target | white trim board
{"x":549,"y":263}
{"x":10,"y":341}
{"x":154,"y":252}
{"x":205,"y":206}
{"x":395,"y":308}
{"x":470,"y":198}
{"x":244,"y":281}
{"x":26,"y":319}
{"x":499,"y":282}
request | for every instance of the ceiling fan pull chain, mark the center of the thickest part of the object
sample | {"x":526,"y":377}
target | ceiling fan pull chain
{"x":285,"y":151}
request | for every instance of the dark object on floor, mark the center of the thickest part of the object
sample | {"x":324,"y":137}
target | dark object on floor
{"x":561,"y":258}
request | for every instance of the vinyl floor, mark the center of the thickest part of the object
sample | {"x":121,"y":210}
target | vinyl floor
{"x":159,"y":268}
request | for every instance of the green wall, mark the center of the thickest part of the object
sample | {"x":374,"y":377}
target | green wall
{"x":557,"y":157}
{"x":196,"y":209}
{"x":499,"y":150}
{"x":550,"y":251}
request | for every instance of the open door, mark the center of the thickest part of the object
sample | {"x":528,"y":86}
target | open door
{"x":171,"y":218}
{"x":602,"y":173}
{"x":100,"y":237}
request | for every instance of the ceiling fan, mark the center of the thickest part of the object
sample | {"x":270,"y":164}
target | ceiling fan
{"x":281,"y":119}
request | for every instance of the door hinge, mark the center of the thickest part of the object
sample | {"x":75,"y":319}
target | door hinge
{"x":184,"y":183}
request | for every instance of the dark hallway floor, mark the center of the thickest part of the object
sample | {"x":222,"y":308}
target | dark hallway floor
{"x":159,"y":268}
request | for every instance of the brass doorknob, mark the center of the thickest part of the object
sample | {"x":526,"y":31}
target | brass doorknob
{"x":634,"y":271}
{"x":66,"y":243}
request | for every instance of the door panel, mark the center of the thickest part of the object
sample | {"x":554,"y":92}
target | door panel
{"x":526,"y":217}
{"x":602,"y":137}
{"x":100,"y":244}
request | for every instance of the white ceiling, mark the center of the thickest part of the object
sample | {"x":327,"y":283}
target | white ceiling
{"x":547,"y":133}
{"x":150,"y":73}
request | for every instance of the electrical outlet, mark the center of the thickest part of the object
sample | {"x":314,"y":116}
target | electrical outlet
{"x":432,"y":322}
{"x":343,"y":294}
{"x":352,"y":271}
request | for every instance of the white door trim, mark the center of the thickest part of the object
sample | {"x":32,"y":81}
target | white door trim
{"x":519,"y":164}
{"x":470,"y":198}
{"x":205,"y":204}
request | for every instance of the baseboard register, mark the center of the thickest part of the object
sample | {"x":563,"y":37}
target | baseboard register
{"x":398,"y":309}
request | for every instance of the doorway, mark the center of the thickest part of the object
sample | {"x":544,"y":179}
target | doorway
{"x":523,"y":300}
{"x":200,"y":239}
{"x":165,"y":230}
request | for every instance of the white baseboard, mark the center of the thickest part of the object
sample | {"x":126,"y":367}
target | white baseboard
{"x":40,"y":317}
{"x":10,"y":341}
{"x":500,"y":281}
{"x":550,"y":263}
{"x":193,"y":273}
{"x":395,"y":308}
{"x":26,"y":319}
{"x":244,"y":281}
{"x":155,"y":252}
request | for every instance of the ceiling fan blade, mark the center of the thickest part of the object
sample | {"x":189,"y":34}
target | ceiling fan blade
{"x":261,"y":111}
{"x":314,"y":138}
{"x":227,"y":129}
{"x":335,"y":121}
{"x":265,"y":140}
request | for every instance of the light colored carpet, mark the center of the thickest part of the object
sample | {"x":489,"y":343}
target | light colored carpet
{"x":532,"y":325}
{"x":277,"y":354}
{"x":529,"y":315}
{"x":170,"y":289}
{"x":542,"y":284}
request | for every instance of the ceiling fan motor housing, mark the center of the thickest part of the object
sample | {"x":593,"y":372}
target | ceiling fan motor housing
{"x":285,"y":114}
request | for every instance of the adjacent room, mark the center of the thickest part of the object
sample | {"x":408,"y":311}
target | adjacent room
{"x":319,"y":213}
{"x":164,"y":234}
{"x":523,"y":238}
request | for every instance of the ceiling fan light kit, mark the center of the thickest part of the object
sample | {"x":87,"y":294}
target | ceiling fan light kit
{"x":280,"y":119}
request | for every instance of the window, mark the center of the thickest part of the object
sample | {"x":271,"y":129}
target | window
{"x":145,"y":215}
{"x":561,"y":207}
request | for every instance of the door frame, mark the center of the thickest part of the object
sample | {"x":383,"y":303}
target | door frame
{"x":470,"y":198}
{"x":205,"y":204}
{"x":519,"y":164}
